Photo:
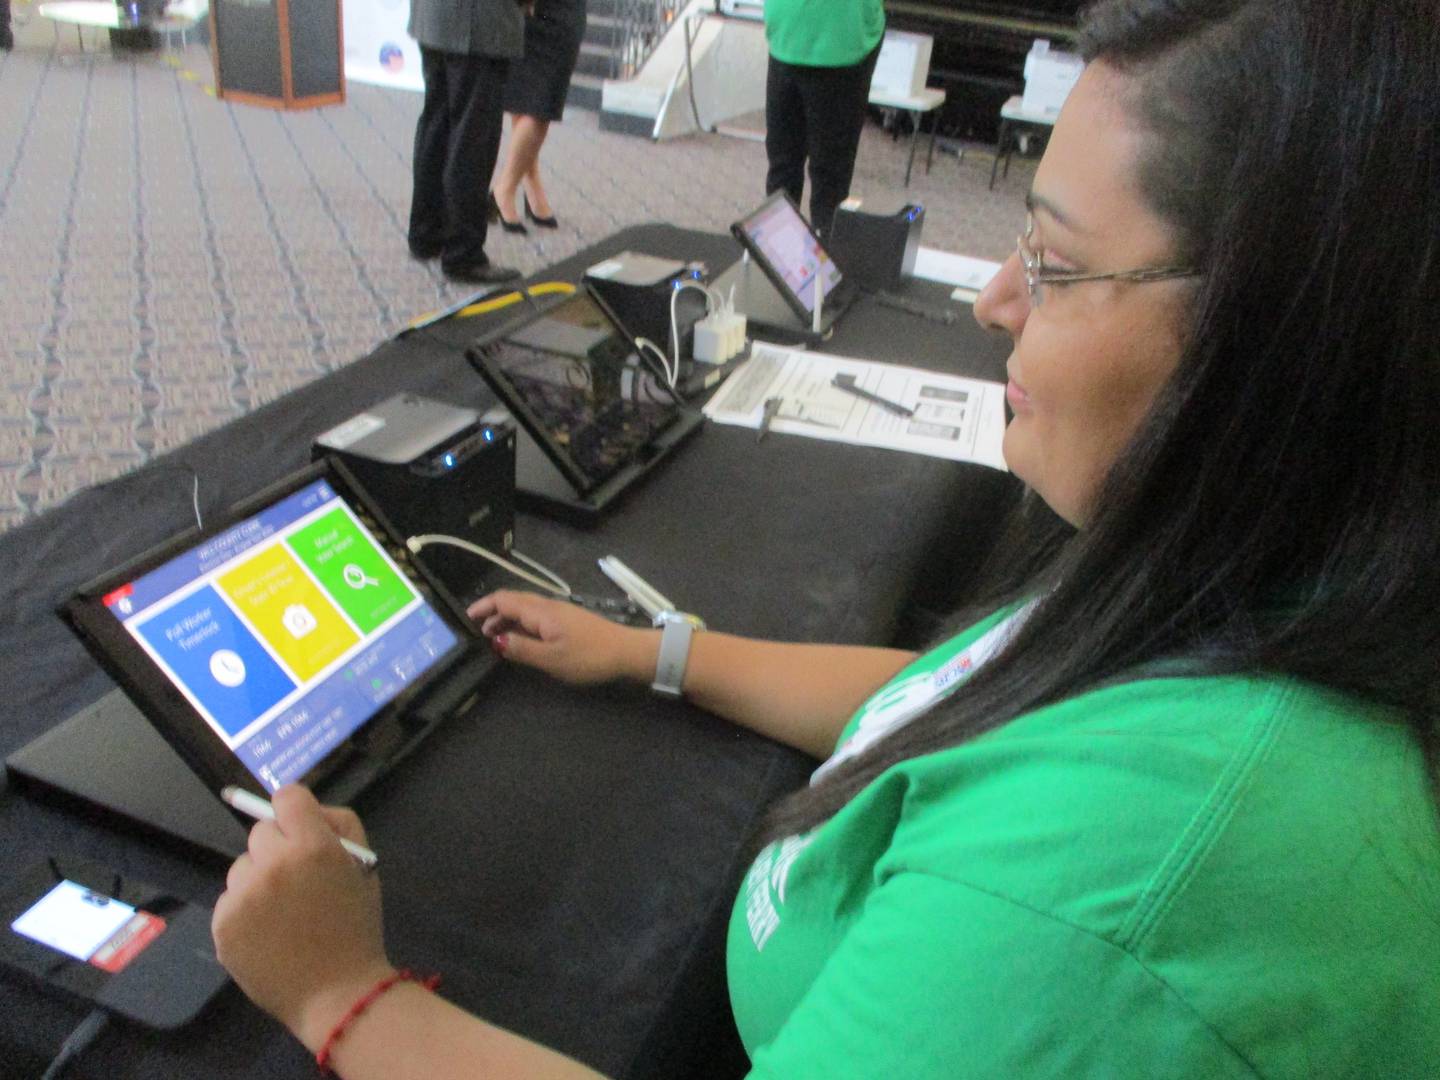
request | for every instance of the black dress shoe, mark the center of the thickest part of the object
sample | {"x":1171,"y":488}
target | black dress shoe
{"x":482,"y":273}
{"x":543,"y":222}
{"x":508,"y":226}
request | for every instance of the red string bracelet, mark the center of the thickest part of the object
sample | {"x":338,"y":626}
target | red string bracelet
{"x":367,"y":999}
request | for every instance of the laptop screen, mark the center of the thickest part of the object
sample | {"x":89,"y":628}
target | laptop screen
{"x":573,"y":377}
{"x":793,"y":251}
{"x":286,"y":632}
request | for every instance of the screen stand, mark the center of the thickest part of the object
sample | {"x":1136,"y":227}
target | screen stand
{"x":109,"y":757}
{"x":817,"y":323}
{"x":764,"y":308}
{"x":541,"y":486}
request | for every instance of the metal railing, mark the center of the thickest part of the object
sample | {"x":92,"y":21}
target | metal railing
{"x":638,"y":27}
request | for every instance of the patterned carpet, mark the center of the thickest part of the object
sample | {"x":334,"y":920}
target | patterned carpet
{"x":169,"y":261}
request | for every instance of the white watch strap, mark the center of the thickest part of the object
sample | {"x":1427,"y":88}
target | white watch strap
{"x":674,"y":653}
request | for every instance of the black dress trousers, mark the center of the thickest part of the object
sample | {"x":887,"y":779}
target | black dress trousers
{"x":815,"y":113}
{"x":457,"y":140}
{"x":6,"y":38}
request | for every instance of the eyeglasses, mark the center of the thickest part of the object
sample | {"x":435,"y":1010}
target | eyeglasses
{"x":1033,"y":264}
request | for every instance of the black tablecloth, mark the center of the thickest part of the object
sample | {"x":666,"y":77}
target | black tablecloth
{"x":567,"y":859}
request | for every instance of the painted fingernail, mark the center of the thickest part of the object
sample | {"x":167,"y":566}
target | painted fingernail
{"x":500,"y":642}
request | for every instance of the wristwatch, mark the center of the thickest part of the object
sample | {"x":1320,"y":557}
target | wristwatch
{"x":676,"y":630}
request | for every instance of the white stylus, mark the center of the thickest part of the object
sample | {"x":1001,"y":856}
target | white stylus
{"x":260,"y":810}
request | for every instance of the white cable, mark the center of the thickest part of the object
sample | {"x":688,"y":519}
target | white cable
{"x":659,"y":354}
{"x":534,"y":565}
{"x":195,"y":499}
{"x":555,"y":586}
{"x":710,"y":306}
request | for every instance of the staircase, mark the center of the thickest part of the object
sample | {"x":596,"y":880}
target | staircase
{"x":619,"y":35}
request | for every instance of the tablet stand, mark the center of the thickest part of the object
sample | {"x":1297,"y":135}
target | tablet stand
{"x":764,"y":308}
{"x":110,"y":757}
{"x":541,"y":486}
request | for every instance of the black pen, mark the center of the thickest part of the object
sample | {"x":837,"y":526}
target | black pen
{"x":847,"y":383}
{"x":772,"y":407}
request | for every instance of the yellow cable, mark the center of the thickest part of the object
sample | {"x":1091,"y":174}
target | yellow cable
{"x":545,"y":288}
{"x":495,"y":303}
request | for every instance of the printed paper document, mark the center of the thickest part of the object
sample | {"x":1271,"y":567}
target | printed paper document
{"x":954,"y":417}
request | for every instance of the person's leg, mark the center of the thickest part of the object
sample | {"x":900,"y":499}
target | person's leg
{"x":784,"y":131}
{"x":535,"y":193}
{"x":527,"y":134}
{"x":432,"y":144}
{"x":835,"y":102}
{"x":475,"y":84}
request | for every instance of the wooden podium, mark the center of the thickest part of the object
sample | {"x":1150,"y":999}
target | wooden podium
{"x":283,"y":54}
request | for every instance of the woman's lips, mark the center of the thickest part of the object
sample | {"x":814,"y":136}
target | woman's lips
{"x":1018,"y":399}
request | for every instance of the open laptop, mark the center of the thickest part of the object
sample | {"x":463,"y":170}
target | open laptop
{"x":593,"y":411}
{"x":791,"y":263}
{"x":292,"y":640}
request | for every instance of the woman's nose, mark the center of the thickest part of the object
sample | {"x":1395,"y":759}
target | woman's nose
{"x":1004,"y":303}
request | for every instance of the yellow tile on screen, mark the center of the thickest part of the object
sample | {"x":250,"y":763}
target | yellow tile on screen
{"x":288,"y":611}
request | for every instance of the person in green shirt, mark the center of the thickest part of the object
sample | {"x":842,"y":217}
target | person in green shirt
{"x":817,"y":84}
{"x":1169,"y":808}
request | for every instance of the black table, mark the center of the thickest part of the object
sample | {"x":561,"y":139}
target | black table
{"x":567,"y":859}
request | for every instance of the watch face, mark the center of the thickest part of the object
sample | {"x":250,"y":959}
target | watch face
{"x":665,"y":618}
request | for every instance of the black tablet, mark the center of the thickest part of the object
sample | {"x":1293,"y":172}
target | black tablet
{"x":786,"y":248}
{"x":281,"y":643}
{"x":574,"y":379}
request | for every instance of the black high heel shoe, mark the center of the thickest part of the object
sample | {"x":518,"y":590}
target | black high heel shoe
{"x":508,"y":226}
{"x":542,"y":222}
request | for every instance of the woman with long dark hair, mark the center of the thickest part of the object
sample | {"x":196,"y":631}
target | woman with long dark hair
{"x":1169,"y":807}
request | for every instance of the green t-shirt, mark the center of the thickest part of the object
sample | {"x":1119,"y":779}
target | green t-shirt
{"x":823,"y":33}
{"x":1178,"y":877}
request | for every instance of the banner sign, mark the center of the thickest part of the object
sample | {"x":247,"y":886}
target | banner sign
{"x":377,"y":48}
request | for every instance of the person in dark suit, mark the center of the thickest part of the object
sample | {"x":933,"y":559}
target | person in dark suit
{"x":7,"y":38}
{"x":465,"y":48}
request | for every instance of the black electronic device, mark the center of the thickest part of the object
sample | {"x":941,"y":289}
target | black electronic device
{"x":644,"y":292}
{"x":98,"y":936}
{"x":875,"y":240}
{"x":292,"y":640}
{"x":594,"y":414}
{"x":430,"y":467}
{"x":793,"y":265}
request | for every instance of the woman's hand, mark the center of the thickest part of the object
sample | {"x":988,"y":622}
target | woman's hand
{"x":573,"y":645}
{"x":298,"y":926}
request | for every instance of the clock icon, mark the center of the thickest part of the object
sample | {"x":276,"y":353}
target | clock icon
{"x":227,"y":667}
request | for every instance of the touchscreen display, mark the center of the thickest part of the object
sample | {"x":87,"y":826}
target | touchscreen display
{"x":286,"y":632}
{"x":779,"y":231}
{"x":579,"y":375}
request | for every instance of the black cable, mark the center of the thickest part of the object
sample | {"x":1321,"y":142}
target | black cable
{"x":690,"y":75}
{"x":76,"y":1042}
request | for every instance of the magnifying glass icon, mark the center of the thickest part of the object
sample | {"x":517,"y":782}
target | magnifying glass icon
{"x":357,"y":578}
